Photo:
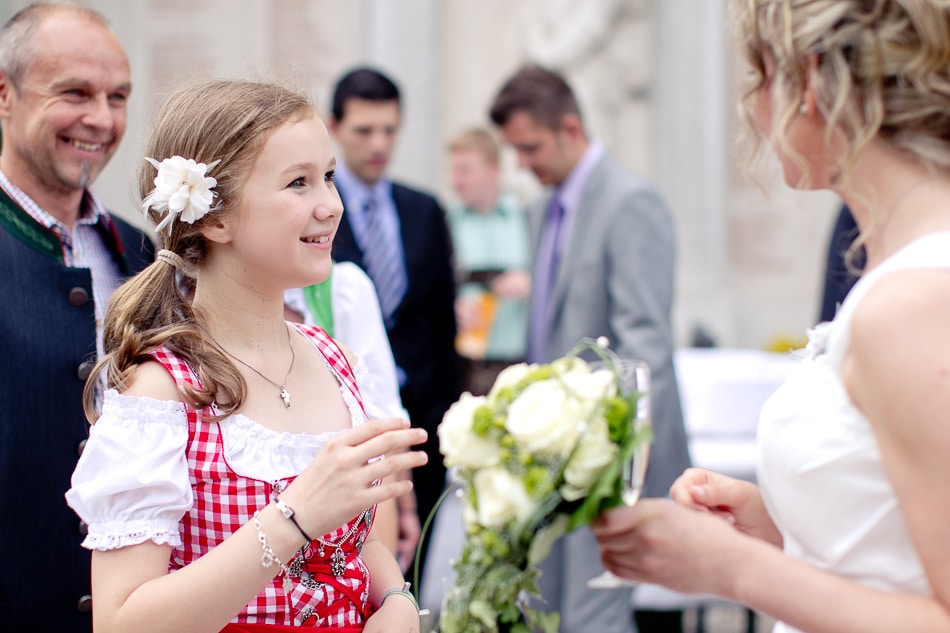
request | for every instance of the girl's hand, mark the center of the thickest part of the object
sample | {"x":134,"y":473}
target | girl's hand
{"x":338,"y":483}
{"x":736,"y":501}
{"x":397,"y":614}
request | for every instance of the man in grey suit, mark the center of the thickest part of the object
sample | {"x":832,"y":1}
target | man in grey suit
{"x":603,"y":257}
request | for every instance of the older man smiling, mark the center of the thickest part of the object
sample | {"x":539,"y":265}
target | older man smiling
{"x":64,"y":84}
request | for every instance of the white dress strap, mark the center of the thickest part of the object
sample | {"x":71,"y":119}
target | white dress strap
{"x":926,"y":252}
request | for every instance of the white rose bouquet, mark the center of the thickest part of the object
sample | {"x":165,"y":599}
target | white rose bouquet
{"x":542,"y":454}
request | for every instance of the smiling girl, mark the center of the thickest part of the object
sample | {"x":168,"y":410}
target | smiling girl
{"x":232,"y":448}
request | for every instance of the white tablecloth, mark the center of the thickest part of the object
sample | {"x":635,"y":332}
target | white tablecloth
{"x":722,"y":391}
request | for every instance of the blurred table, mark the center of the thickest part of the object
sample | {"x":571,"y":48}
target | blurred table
{"x":722,"y":392}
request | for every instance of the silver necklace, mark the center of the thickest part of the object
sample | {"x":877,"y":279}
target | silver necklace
{"x":282,"y":388}
{"x":300,"y":566}
{"x":338,"y":558}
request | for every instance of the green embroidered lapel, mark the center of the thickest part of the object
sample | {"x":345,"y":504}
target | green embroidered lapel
{"x":22,"y":226}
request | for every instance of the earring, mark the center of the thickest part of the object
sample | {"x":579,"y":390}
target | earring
{"x":803,"y":109}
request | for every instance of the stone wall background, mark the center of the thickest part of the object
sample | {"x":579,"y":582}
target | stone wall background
{"x":656,"y":79}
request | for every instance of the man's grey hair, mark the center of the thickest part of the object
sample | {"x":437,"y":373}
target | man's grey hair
{"x":17,"y":51}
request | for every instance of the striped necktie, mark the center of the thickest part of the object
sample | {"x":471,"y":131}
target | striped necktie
{"x":381,"y":260}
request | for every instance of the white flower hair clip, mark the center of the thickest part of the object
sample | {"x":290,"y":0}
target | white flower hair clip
{"x":181,"y":190}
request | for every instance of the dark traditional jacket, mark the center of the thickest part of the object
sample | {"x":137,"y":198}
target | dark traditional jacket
{"x":47,"y":349}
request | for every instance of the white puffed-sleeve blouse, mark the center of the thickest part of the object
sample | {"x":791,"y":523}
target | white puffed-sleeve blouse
{"x":131,"y":483}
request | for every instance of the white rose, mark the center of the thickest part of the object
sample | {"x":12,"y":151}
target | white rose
{"x":501,"y":497}
{"x":543,"y":420}
{"x":594,"y":453}
{"x":570,"y":364}
{"x":590,"y":389}
{"x":509,"y":377}
{"x":459,"y":443}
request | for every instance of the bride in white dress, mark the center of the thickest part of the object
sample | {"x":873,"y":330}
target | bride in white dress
{"x":850,"y":527}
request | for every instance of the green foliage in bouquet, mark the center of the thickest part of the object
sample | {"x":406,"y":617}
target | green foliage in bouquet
{"x":541,"y":455}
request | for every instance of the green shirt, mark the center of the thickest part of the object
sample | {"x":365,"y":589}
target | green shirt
{"x":487,"y":243}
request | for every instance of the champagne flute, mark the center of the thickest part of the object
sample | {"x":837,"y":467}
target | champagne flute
{"x":634,"y":378}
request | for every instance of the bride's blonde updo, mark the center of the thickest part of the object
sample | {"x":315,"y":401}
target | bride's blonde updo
{"x":882,"y":70}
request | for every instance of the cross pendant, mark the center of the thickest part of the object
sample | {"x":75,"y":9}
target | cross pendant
{"x":285,"y":396}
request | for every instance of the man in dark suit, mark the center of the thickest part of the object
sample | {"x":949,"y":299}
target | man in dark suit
{"x":603,"y":258}
{"x":842,"y":265}
{"x":400,"y":237}
{"x":64,"y":82}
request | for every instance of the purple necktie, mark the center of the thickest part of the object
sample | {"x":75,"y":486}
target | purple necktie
{"x":545,"y":278}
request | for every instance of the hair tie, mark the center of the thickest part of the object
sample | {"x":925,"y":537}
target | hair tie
{"x":171,"y":258}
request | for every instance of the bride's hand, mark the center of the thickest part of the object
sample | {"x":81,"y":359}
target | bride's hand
{"x":657,"y":541}
{"x":736,"y":501}
{"x":338,"y":483}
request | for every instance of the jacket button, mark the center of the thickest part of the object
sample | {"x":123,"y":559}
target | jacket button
{"x":84,"y":369}
{"x":83,"y":528}
{"x":84,"y":605}
{"x":78,"y":296}
{"x":81,"y":447}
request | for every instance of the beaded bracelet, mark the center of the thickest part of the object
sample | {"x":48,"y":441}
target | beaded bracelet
{"x":268,"y":555}
{"x":404,"y":591}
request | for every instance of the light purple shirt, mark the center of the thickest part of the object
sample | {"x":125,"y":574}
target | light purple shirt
{"x":356,"y":193}
{"x":572,"y":190}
